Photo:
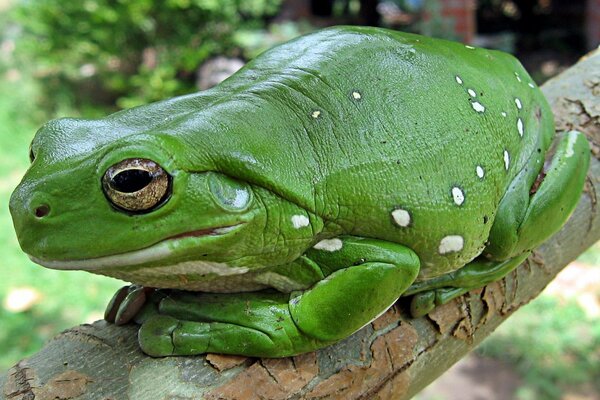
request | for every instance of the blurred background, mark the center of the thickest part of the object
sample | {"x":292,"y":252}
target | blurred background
{"x":92,"y":57}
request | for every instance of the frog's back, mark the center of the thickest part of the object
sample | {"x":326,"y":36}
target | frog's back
{"x":388,"y":135}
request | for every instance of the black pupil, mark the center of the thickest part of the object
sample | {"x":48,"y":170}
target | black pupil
{"x":131,"y":180}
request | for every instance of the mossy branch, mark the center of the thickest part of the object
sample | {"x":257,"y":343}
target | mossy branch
{"x":394,"y":357}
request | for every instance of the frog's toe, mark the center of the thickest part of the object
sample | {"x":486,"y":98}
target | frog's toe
{"x":110,"y":314}
{"x":422,"y":303}
{"x":155,"y":335}
{"x":126,"y":304}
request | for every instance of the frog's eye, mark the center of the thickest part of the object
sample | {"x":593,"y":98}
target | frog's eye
{"x":229,"y":194}
{"x":136,"y":185}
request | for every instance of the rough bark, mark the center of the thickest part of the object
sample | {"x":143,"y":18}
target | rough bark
{"x":392,"y":358}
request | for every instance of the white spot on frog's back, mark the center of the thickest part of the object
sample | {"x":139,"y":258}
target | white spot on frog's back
{"x":458,"y":80}
{"x":520,"y":127}
{"x":300,"y":221}
{"x":451,"y":244}
{"x":315,"y":114}
{"x":531,"y":85}
{"x":477,"y":106}
{"x":518,"y":77}
{"x":401,"y":217}
{"x":469,"y":47}
{"x":471,"y":93}
{"x":503,"y":114}
{"x":518,"y":103}
{"x":329,"y":245}
{"x":458,"y":196}
{"x":506,"y":159}
{"x":356,"y":95}
{"x":480,"y":172}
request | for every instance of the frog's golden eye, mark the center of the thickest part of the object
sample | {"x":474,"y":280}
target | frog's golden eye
{"x":136,"y":185}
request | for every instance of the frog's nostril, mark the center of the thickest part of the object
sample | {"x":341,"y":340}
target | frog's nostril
{"x":42,"y":211}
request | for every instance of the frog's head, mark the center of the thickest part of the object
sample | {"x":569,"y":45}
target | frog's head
{"x":107,"y":199}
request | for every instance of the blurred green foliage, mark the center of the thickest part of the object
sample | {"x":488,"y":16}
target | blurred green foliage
{"x":553,"y":345}
{"x":255,"y":41}
{"x":131,"y":51}
{"x":65,"y":299}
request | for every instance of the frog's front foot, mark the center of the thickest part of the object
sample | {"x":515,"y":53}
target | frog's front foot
{"x":127,"y":303}
{"x":252,"y":324}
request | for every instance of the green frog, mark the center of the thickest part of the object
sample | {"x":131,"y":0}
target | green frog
{"x":290,"y":205}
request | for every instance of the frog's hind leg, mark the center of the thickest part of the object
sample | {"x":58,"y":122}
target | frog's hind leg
{"x":527,"y":216}
{"x":442,"y":289}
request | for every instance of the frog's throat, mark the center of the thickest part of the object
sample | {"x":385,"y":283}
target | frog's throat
{"x":156,"y":252}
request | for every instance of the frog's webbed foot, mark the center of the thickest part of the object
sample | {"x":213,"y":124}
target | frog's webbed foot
{"x":127,"y":303}
{"x":361,"y":279}
{"x":531,"y":211}
{"x":440,"y":290}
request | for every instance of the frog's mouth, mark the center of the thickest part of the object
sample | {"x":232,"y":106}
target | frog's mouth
{"x":155,"y":252}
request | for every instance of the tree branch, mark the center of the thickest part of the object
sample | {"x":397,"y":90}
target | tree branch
{"x":394,"y":357}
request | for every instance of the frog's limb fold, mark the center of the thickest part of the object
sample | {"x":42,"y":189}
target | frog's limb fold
{"x":363,"y":278}
{"x":521,"y":214}
{"x":442,"y":289}
{"x":525,"y":219}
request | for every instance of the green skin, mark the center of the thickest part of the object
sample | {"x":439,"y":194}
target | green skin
{"x":349,"y":167}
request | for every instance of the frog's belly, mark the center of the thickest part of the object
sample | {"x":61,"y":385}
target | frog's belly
{"x":204,"y":277}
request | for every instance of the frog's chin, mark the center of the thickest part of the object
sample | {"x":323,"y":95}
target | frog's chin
{"x":159,"y":251}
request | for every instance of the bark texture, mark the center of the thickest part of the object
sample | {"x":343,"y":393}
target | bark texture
{"x":392,"y":358}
